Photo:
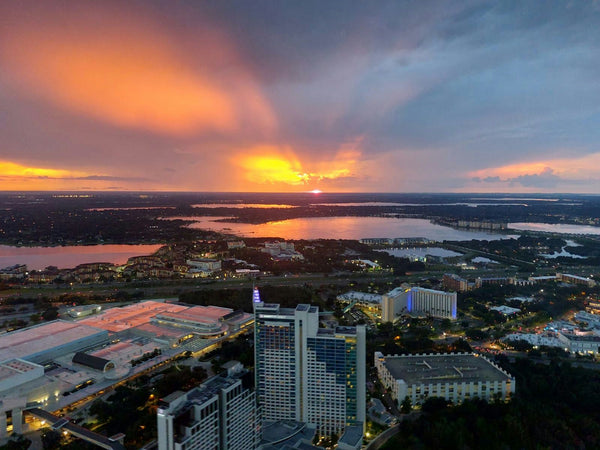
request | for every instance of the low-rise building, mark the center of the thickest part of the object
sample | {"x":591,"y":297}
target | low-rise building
{"x":205,"y":266}
{"x":455,"y":377}
{"x":453,"y":282}
{"x":580,"y":343}
{"x":547,"y":339}
{"x":235,"y":244}
{"x":281,"y":250}
{"x":505,"y":310}
{"x":575,"y":279}
{"x":479,"y":282}
{"x":83,"y":310}
{"x":15,"y":271}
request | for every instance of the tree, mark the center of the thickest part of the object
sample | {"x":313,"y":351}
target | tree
{"x":446,"y":324}
{"x":17,"y":442}
{"x":434,"y":405}
{"x":51,"y":439}
{"x":50,"y":314}
{"x":35,"y":318}
{"x":406,"y":405}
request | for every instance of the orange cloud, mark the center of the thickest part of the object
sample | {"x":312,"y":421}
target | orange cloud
{"x":19,"y":177}
{"x":13,"y":170}
{"x":16,"y":177}
{"x":513,"y":170}
{"x":575,"y":168}
{"x":122,"y":69}
{"x":273,"y":165}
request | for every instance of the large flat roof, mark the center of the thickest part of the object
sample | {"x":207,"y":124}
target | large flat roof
{"x":162,"y":331}
{"x":443,"y":368}
{"x":33,"y":340}
{"x":121,"y":319}
{"x":202,"y":314}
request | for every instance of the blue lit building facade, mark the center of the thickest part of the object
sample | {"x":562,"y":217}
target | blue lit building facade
{"x":307,"y":373}
{"x":419,"y":302}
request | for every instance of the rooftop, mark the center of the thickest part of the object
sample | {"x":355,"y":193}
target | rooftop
{"x":437,"y":368}
{"x":345,"y":330}
{"x":162,"y":331}
{"x":13,"y":367}
{"x":120,"y":319}
{"x":396,"y":291}
{"x":581,"y":338}
{"x":200,"y":394}
{"x":352,"y":435}
{"x":282,"y":430}
{"x":203,"y":314}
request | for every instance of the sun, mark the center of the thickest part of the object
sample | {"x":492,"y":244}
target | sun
{"x":316,"y":191}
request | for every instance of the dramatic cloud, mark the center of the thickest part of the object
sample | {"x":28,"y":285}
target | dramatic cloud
{"x":130,"y":73}
{"x":337,"y":95}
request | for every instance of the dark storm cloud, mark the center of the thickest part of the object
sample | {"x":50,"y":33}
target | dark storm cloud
{"x":546,"y":179}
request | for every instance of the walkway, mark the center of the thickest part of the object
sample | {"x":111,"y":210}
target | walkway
{"x":83,"y":433}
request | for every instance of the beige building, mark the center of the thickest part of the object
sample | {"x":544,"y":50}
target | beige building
{"x":455,"y":377}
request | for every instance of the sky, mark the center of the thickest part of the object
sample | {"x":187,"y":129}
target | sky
{"x":286,"y":96}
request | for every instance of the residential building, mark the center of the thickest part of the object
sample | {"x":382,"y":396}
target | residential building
{"x":220,"y":414}
{"x":306,"y":373}
{"x":479,"y":282}
{"x":281,"y":250}
{"x":575,"y":279}
{"x":453,"y":282}
{"x":580,"y":343}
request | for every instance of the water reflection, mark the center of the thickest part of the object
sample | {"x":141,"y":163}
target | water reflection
{"x":555,"y":228}
{"x":241,"y":205}
{"x":344,"y":228}
{"x":38,"y":258}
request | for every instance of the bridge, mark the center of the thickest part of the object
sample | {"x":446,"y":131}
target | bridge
{"x":59,"y":423}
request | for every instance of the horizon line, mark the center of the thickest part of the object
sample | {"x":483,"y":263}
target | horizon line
{"x":290,"y":193}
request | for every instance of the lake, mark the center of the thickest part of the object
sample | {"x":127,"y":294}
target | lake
{"x":38,"y":258}
{"x":422,"y":251}
{"x":343,"y":228}
{"x":555,"y":228}
{"x":242,"y":205}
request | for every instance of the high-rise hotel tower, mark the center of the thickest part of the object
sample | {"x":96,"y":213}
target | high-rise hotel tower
{"x":306,"y":373}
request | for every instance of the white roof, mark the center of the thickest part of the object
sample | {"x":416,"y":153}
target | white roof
{"x":30,"y":341}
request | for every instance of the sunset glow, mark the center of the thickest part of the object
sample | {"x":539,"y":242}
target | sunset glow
{"x":12,"y":170}
{"x":569,"y":167}
{"x":130,"y":76}
{"x":280,"y":166}
{"x":203,"y":96}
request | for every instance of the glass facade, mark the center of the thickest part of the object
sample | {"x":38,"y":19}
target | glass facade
{"x":307,"y":373}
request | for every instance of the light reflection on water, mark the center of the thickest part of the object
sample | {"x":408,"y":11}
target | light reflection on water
{"x":241,"y":205}
{"x":38,"y":258}
{"x":555,"y":228}
{"x":343,"y":228}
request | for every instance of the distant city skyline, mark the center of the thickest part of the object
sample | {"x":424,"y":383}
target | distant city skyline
{"x":338,"y":96}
